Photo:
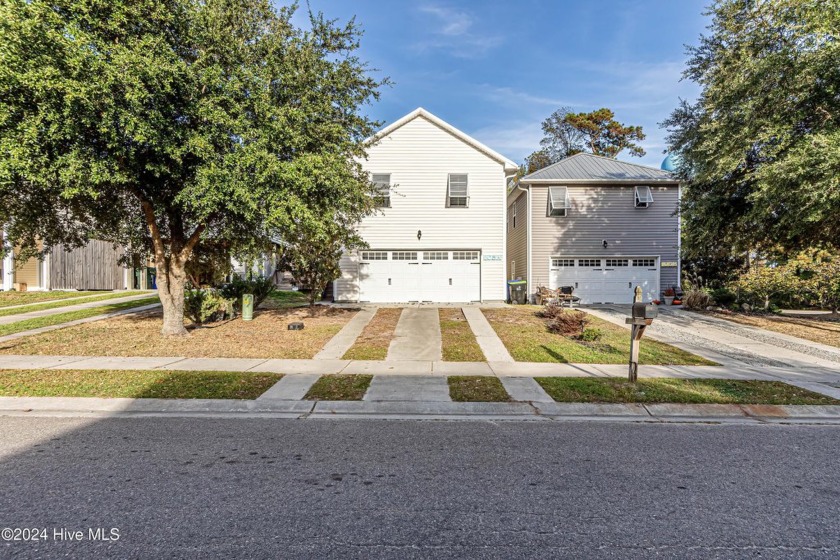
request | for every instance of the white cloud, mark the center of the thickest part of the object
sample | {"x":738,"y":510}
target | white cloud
{"x":453,"y":31}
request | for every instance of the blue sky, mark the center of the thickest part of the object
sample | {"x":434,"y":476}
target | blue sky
{"x":495,"y":69}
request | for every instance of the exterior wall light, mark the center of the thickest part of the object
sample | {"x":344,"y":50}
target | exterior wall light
{"x":605,"y":243}
{"x":419,"y":234}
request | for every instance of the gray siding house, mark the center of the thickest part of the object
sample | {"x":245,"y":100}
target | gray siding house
{"x":597,"y":224}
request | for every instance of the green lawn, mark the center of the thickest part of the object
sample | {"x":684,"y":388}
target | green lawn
{"x":528,"y":340}
{"x":59,"y":318}
{"x":138,"y":384}
{"x":24,"y":298}
{"x":476,"y":388}
{"x":339,"y":388}
{"x":60,"y":303}
{"x":285,"y":299}
{"x":686,"y":391}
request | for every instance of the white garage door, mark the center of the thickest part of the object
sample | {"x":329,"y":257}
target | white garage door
{"x":405,"y":276}
{"x":606,"y":279}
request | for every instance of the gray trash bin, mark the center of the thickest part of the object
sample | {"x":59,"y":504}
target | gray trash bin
{"x":517,"y":292}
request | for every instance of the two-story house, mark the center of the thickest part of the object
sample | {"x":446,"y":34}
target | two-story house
{"x":597,"y":224}
{"x":439,"y":234}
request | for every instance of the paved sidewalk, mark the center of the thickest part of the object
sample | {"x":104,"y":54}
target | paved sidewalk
{"x":430,"y":368}
{"x":68,"y":308}
{"x":417,"y":336}
{"x":40,"y":330}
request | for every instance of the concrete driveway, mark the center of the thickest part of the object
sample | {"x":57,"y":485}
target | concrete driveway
{"x":726,"y":342}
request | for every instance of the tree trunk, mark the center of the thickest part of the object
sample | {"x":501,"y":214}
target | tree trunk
{"x":171,"y":282}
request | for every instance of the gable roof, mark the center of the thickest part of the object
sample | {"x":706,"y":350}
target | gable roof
{"x":421,"y":112}
{"x":589,"y":168}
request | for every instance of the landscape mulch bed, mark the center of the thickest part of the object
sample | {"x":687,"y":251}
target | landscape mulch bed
{"x":266,"y":336}
{"x":376,"y":337}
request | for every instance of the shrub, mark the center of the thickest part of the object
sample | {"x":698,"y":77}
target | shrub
{"x":550,"y":310}
{"x":205,"y":306}
{"x":723,"y":297}
{"x":762,"y":283}
{"x":591,"y":335}
{"x":696,"y":299}
{"x":568,"y":323}
{"x":260,"y":288}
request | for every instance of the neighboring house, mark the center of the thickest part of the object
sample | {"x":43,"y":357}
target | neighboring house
{"x":600,"y":225}
{"x":439,"y":234}
{"x":92,"y":267}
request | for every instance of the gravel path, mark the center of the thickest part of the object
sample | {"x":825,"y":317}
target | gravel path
{"x":683,"y":330}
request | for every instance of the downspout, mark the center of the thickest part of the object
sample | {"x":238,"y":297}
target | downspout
{"x":527,"y":238}
{"x":679,"y":236}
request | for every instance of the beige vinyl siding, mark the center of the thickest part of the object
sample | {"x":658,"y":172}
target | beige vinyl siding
{"x":28,"y":273}
{"x":605,"y":212}
{"x":517,"y":242}
{"x":419,"y":156}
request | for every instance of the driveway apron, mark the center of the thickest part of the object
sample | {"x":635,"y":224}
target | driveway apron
{"x":417,"y":336}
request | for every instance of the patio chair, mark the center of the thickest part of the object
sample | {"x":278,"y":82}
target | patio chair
{"x":567,"y":295}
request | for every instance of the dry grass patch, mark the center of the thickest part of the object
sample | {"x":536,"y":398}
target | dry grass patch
{"x":528,"y":339}
{"x":139,"y":335}
{"x":373,"y":343}
{"x":824,"y":329}
{"x":135,"y":384}
{"x":459,"y":344}
{"x":684,"y":391}
{"x":339,"y":388}
{"x":476,"y":388}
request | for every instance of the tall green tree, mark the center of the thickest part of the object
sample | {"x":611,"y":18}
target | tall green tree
{"x":760,"y":148}
{"x":170,"y":125}
{"x":566,"y":134}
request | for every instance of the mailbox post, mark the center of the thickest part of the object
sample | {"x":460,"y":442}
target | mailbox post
{"x":641,"y":317}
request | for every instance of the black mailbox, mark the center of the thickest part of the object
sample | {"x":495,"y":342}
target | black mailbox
{"x":644,"y":311}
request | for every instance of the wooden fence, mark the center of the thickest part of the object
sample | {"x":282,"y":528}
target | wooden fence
{"x":92,"y":267}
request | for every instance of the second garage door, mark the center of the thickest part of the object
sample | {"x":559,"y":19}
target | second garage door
{"x":431,"y":276}
{"x":606,"y":280}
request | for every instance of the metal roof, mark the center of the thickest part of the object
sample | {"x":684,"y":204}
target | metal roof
{"x":588,"y":168}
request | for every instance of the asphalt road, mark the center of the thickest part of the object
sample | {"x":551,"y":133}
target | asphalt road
{"x":210,"y":488}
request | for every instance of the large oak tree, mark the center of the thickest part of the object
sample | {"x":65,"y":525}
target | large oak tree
{"x":170,"y":125}
{"x":760,"y":148}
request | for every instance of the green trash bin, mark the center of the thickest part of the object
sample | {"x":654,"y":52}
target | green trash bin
{"x":517,"y":292}
{"x":247,"y":307}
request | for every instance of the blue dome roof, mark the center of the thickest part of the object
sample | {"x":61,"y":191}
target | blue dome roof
{"x":670,"y":163}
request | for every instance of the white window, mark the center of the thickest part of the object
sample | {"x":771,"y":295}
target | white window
{"x":382,"y":184}
{"x":589,"y":262}
{"x":458,"y":194}
{"x":436,"y":256}
{"x":562,"y":262}
{"x":644,"y":262}
{"x":514,"y":214}
{"x":404,"y":255}
{"x":617,"y":262}
{"x":644,"y":197}
{"x":374,"y":255}
{"x":464,"y":255}
{"x":558,"y":201}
